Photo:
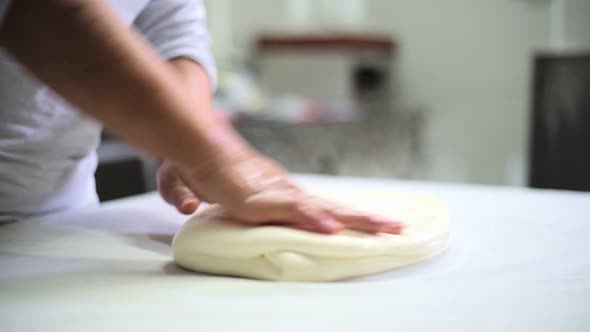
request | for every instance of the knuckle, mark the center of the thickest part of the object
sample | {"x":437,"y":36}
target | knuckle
{"x":249,"y":212}
{"x":294,"y":203}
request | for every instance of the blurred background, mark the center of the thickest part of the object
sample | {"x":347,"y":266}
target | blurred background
{"x":473,"y":91}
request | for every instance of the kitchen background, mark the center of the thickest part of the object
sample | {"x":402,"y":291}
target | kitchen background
{"x":428,"y":90}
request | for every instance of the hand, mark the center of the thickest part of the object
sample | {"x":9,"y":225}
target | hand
{"x":255,"y":190}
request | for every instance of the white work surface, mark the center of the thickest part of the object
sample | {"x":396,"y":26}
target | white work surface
{"x":518,"y":262}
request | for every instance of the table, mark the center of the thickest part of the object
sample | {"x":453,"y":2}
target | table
{"x":518,"y":262}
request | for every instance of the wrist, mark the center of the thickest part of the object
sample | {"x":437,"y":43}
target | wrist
{"x":220,"y":147}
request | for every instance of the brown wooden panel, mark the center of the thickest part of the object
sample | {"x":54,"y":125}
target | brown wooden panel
{"x":327,"y":42}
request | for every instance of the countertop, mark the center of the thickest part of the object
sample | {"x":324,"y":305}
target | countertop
{"x":518,"y":262}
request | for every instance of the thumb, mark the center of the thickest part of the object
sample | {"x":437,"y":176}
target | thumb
{"x":174,"y":191}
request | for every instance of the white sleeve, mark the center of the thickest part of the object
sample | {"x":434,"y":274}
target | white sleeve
{"x":3,"y":9}
{"x":177,"y":28}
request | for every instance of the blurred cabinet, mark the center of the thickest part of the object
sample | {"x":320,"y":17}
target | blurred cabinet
{"x":326,"y":67}
{"x":560,"y":130}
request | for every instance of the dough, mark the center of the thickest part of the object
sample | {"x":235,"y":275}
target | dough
{"x":213,"y":243}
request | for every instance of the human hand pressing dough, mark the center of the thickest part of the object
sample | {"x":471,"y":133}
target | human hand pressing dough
{"x":257,"y":191}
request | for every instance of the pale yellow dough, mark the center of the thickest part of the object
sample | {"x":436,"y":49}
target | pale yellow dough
{"x":210,"y":242}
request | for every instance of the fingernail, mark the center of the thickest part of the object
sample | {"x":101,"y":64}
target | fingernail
{"x":188,"y":204}
{"x":392,"y":228}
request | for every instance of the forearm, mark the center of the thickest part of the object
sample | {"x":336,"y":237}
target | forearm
{"x":84,"y":52}
{"x":196,"y":82}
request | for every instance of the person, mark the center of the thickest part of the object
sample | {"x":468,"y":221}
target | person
{"x":68,"y":67}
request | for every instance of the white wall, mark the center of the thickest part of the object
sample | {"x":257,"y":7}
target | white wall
{"x":577,"y":23}
{"x":466,"y":62}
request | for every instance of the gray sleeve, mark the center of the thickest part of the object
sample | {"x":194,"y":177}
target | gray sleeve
{"x":4,"y":4}
{"x":177,"y":28}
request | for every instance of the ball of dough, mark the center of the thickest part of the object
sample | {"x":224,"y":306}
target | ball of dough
{"x":212,"y":242}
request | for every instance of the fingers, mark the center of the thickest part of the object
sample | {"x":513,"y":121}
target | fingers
{"x":291,"y":208}
{"x":296,"y":209}
{"x":360,"y":221}
{"x":315,"y":217}
{"x":367,"y":223}
{"x":175,"y":192}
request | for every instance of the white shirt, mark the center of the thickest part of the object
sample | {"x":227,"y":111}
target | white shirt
{"x":47,"y":148}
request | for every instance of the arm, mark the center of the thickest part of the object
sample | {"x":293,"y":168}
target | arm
{"x":177,"y":30}
{"x":84,"y":52}
{"x":277,"y":199}
{"x":196,"y":81}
